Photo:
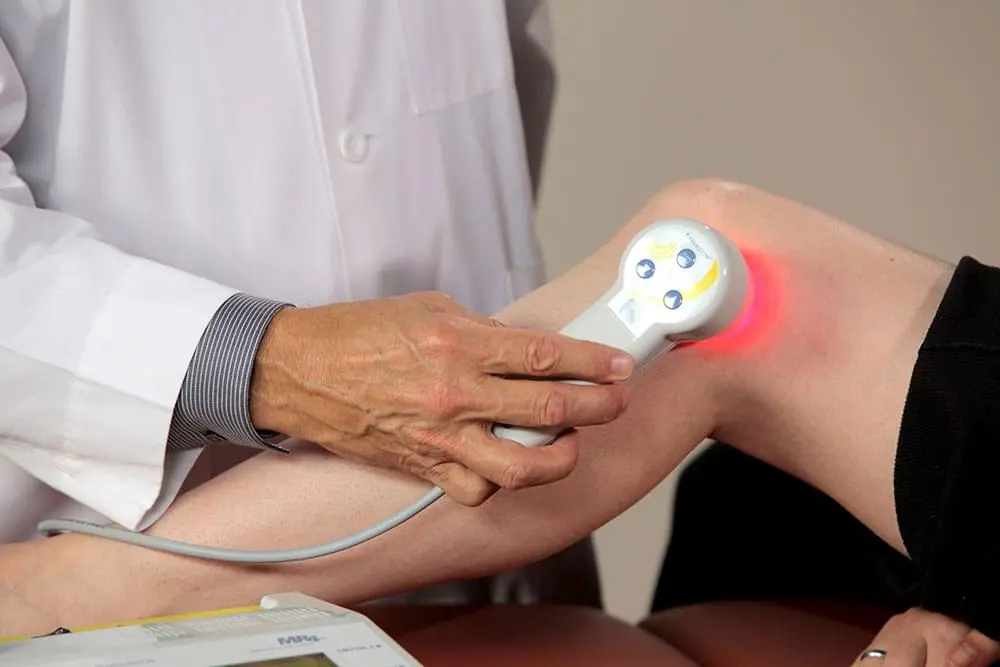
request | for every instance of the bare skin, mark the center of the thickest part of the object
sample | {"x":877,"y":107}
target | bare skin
{"x":813,"y":381}
{"x":766,"y":634}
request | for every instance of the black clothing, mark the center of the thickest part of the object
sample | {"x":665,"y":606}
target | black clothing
{"x":745,"y":530}
{"x":947,"y":503}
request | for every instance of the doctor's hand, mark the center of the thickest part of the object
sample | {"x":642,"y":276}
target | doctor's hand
{"x":919,"y":638}
{"x":414,"y":383}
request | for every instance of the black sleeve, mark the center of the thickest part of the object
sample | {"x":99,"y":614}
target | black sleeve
{"x":948,"y":455}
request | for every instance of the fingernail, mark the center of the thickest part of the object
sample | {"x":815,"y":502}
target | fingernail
{"x":621,"y":366}
{"x":964,"y":654}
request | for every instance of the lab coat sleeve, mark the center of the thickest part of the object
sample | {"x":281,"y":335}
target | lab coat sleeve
{"x":94,"y":347}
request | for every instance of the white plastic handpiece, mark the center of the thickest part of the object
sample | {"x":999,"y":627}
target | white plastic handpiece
{"x":679,"y":280}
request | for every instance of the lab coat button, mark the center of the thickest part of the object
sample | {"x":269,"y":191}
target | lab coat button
{"x":353,"y":145}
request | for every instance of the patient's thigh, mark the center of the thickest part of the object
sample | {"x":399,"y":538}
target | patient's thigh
{"x":765,"y":634}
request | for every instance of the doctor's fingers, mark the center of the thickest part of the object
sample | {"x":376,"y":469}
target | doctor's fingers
{"x":458,"y":482}
{"x":419,"y":460}
{"x":523,"y":352}
{"x":479,"y":464}
{"x":469,"y":463}
{"x":544,"y":403}
{"x":506,"y":350}
{"x":511,"y":465}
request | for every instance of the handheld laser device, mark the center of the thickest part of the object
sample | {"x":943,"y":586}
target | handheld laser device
{"x":678,"y":281}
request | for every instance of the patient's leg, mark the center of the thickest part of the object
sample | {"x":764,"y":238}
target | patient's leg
{"x":813,"y":381}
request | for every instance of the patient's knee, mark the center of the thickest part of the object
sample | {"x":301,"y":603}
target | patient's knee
{"x":714,"y":201}
{"x":699,"y":192}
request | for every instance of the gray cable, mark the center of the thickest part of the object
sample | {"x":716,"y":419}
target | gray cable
{"x":54,"y":526}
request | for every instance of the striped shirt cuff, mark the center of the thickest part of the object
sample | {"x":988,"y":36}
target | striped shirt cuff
{"x":214,"y":401}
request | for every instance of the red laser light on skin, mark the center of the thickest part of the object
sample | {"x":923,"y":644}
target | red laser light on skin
{"x":760,"y":317}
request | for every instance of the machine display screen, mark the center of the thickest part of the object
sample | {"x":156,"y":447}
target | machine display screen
{"x":312,"y":660}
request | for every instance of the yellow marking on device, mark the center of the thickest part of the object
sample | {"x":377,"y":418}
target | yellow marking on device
{"x":662,"y":250}
{"x":147,"y":621}
{"x":703,"y":283}
{"x":640,"y":296}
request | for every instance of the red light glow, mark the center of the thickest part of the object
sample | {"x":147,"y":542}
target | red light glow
{"x":761,"y":314}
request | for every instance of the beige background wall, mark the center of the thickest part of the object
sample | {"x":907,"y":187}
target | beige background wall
{"x":884,"y":113}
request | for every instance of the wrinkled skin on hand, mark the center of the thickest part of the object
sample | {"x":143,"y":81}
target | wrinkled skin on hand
{"x":414,"y":383}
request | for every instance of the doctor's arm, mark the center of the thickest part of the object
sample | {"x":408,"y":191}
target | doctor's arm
{"x":781,"y":385}
{"x":96,"y":346}
{"x":116,"y":370}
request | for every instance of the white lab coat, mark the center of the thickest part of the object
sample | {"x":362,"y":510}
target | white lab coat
{"x":159,"y":156}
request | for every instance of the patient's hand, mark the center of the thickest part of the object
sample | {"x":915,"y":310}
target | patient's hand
{"x":414,"y":382}
{"x":919,"y":638}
